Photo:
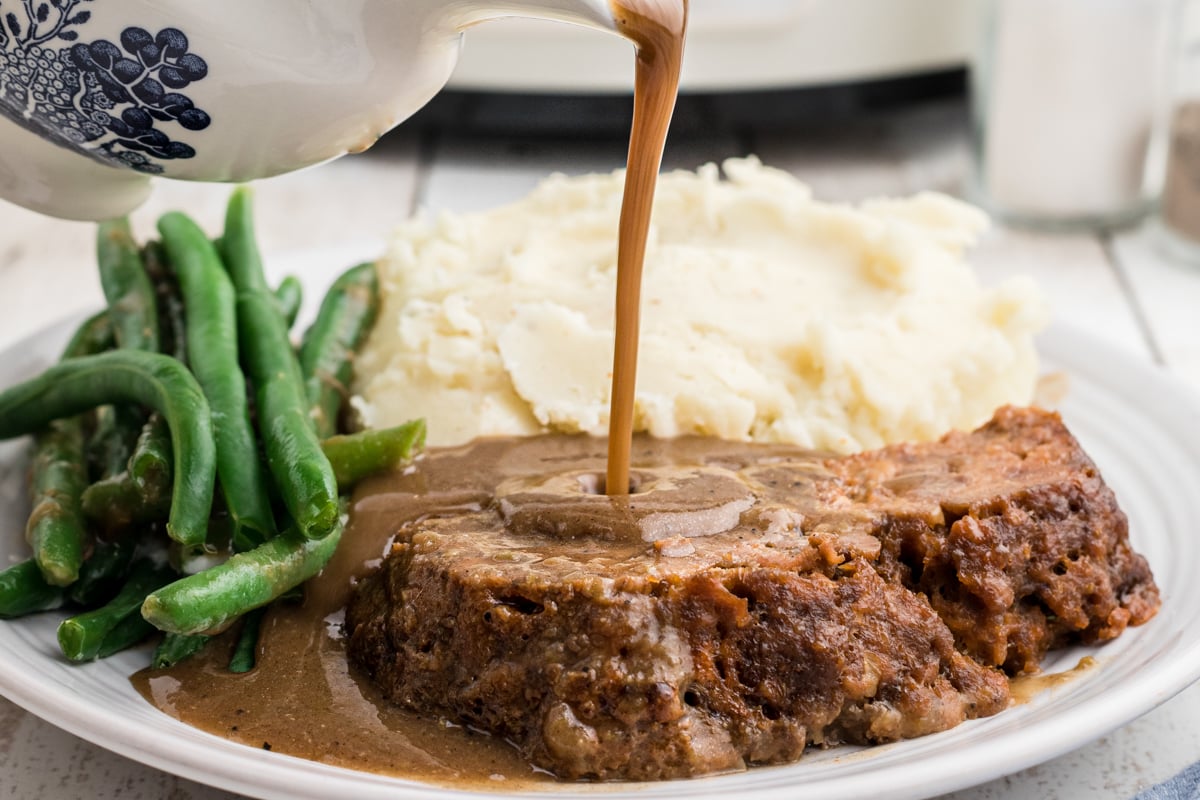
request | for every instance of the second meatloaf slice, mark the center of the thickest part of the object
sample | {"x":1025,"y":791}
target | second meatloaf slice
{"x":1010,"y":532}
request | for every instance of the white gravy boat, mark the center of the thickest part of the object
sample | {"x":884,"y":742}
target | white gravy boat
{"x":98,"y":96}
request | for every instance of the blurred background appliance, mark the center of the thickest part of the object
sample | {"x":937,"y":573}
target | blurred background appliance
{"x":774,"y":63}
{"x":733,"y":45}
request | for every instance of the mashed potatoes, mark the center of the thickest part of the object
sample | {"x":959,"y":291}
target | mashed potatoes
{"x":766,"y":315}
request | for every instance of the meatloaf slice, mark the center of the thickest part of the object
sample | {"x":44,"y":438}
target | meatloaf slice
{"x":1011,"y":534}
{"x":599,"y":675}
{"x":860,"y":599}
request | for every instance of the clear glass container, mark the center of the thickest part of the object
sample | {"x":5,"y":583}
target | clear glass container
{"x":1069,"y":102}
{"x":1179,"y":215}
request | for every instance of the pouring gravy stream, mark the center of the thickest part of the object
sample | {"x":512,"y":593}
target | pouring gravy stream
{"x":304,"y":698}
{"x":657,"y":27}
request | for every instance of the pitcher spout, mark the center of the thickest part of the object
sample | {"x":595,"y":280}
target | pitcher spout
{"x":589,"y":13}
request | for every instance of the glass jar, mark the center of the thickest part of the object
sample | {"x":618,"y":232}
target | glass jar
{"x":1180,"y":211}
{"x":1069,"y":102}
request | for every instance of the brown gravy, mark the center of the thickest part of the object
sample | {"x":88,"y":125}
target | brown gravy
{"x":1026,"y":687}
{"x":656,"y":27}
{"x":305,"y":699}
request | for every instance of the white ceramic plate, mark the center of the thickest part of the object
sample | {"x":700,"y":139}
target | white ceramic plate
{"x":1142,"y":428}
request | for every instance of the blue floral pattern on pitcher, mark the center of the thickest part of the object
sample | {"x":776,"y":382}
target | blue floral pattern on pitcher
{"x":100,"y":98}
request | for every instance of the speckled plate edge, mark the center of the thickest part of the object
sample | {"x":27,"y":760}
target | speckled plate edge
{"x":1140,"y":425}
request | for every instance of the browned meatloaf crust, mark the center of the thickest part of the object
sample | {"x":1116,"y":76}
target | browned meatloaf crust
{"x":907,"y":579}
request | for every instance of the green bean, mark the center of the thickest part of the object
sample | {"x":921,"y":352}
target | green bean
{"x":23,"y":591}
{"x":94,"y":335}
{"x":150,"y":463}
{"x":301,"y":471}
{"x":142,"y":491}
{"x":154,"y":261}
{"x":113,"y":439}
{"x":102,"y":574}
{"x":130,"y":631}
{"x":171,"y":324}
{"x":173,"y":313}
{"x":56,"y":529}
{"x":112,"y":503}
{"x":209,"y":601}
{"x":131,"y":302}
{"x":356,"y":456}
{"x":81,"y":637}
{"x":239,"y":247}
{"x":176,"y":647}
{"x":151,"y":379}
{"x":245,"y":653}
{"x":213,"y":353}
{"x":289,"y":295}
{"x":327,"y":352}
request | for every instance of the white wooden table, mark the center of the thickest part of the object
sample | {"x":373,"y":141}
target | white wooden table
{"x":1115,"y":286}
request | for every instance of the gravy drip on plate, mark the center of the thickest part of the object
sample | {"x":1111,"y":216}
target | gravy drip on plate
{"x":305,"y":699}
{"x":656,"y":27}
{"x":1026,"y":687}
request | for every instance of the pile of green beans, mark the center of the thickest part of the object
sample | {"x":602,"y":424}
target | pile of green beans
{"x":180,"y":427}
